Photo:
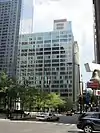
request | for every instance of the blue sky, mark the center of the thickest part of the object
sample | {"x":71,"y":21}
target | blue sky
{"x":80,"y":12}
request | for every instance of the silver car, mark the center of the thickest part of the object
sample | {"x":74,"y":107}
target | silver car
{"x":47,"y":117}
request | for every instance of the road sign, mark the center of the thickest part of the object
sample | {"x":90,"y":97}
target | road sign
{"x":97,"y":92}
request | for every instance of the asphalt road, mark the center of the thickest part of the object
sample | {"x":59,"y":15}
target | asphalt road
{"x":7,"y":126}
{"x":69,"y":119}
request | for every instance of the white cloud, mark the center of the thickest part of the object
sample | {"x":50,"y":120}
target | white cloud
{"x":77,"y":11}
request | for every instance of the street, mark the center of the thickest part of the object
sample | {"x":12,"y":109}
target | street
{"x":7,"y":126}
{"x":69,"y":119}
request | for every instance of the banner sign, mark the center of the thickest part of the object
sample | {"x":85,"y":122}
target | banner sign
{"x":93,"y":85}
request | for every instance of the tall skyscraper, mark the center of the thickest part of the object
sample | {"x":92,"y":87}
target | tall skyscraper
{"x":96,"y":5}
{"x":27,"y":13}
{"x":10,"y":11}
{"x":50,"y":60}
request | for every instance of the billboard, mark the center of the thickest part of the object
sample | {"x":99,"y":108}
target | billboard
{"x":93,"y":85}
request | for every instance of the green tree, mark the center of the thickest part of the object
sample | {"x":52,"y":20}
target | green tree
{"x":54,"y":100}
{"x":30,"y":98}
{"x":40,"y":100}
{"x":7,"y":90}
{"x":4,"y":82}
{"x":68,"y":104}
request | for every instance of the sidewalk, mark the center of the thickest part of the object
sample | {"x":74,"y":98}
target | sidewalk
{"x":1,"y":119}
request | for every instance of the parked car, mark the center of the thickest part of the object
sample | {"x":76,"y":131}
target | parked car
{"x":89,"y":122}
{"x":47,"y":117}
{"x":69,"y":113}
{"x":18,"y":114}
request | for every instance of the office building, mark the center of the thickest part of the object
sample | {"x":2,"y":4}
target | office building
{"x":50,"y":60}
{"x":10,"y":11}
{"x":96,"y":5}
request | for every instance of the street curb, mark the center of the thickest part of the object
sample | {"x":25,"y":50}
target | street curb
{"x":39,"y":122}
{"x":4,"y":120}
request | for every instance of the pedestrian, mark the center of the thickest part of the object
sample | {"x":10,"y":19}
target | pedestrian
{"x":97,"y":109}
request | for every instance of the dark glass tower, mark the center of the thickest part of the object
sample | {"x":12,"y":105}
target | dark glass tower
{"x":10,"y":11}
{"x":96,"y":4}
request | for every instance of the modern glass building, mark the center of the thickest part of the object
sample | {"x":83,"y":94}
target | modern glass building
{"x":27,"y":13}
{"x":10,"y":11}
{"x":50,"y":60}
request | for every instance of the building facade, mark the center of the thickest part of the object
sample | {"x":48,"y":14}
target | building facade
{"x":10,"y":11}
{"x":96,"y":7}
{"x":50,"y":60}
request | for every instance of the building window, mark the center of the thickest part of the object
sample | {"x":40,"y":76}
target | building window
{"x":39,"y":38}
{"x":30,"y":39}
{"x":57,"y":40}
{"x":47,"y":41}
{"x":60,"y":26}
{"x":70,"y":85}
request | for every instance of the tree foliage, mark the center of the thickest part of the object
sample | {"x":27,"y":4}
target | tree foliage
{"x":68,"y":103}
{"x":30,"y":97}
{"x":54,"y":100}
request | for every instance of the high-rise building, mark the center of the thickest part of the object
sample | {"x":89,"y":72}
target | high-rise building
{"x":10,"y":11}
{"x":50,"y":60}
{"x":96,"y":5}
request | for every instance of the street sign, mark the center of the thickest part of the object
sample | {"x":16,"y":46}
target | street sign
{"x":97,"y":92}
{"x":93,"y":84}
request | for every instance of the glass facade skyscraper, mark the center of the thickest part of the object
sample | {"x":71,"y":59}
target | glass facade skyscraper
{"x":47,"y":60}
{"x":10,"y":11}
{"x":27,"y":13}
